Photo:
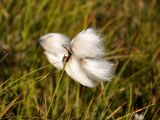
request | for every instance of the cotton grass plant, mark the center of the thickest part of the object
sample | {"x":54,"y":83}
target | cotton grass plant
{"x":31,"y":88}
{"x":81,"y":58}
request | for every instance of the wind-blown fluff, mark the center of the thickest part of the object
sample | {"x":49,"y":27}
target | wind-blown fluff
{"x":73,"y":69}
{"x":98,"y":70}
{"x":83,"y":56}
{"x":87,"y":44}
{"x":54,"y":42}
{"x":55,"y":60}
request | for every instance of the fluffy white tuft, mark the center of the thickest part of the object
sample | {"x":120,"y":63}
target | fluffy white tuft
{"x":54,"y":43}
{"x":87,"y":44}
{"x":98,"y":70}
{"x":74,"y":70}
{"x":55,"y":60}
{"x":85,"y":51}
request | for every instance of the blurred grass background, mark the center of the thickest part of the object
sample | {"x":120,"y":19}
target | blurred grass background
{"x":131,"y":31}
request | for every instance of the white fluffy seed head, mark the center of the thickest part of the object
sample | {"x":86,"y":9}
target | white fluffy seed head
{"x":84,"y":56}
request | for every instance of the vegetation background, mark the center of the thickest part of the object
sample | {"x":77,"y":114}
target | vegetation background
{"x":30,"y":88}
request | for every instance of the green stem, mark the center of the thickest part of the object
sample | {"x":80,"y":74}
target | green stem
{"x":60,"y":78}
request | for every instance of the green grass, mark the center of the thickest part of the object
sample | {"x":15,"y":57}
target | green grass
{"x":30,"y":88}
